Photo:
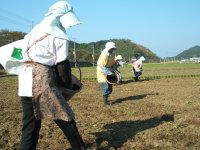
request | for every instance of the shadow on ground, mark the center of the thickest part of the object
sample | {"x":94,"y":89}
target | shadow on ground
{"x":135,"y":97}
{"x":116,"y":134}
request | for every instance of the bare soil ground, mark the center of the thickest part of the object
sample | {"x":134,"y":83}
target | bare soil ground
{"x":159,"y":114}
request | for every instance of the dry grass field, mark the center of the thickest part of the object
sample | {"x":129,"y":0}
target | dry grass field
{"x":161,"y":114}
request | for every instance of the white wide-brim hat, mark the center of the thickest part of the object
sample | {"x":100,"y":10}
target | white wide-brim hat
{"x":58,"y":19}
{"x":142,"y":58}
{"x":69,"y":19}
{"x":118,"y":57}
{"x":110,"y":45}
{"x":65,"y":11}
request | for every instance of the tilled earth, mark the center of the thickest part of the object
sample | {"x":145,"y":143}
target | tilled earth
{"x":150,"y":114}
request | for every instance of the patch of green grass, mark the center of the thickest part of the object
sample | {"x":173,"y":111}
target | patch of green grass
{"x":149,"y":70}
{"x":170,"y":65}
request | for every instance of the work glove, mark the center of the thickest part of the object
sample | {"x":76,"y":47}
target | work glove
{"x":108,"y":71}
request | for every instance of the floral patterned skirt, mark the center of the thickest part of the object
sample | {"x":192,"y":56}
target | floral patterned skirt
{"x":48,"y":101}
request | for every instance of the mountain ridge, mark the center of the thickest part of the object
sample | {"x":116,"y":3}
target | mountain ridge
{"x":189,"y":53}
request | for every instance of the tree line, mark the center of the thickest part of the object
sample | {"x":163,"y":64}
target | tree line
{"x":89,"y":52}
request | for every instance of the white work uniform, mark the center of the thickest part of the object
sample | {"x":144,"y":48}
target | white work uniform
{"x":105,"y":60}
{"x":49,"y":51}
{"x":137,"y":65}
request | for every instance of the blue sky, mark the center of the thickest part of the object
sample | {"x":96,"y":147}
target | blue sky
{"x":166,"y":27}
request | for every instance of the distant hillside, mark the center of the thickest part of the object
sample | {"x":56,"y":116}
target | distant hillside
{"x":7,"y":36}
{"x":84,"y":51}
{"x":192,"y":52}
{"x":125,"y":47}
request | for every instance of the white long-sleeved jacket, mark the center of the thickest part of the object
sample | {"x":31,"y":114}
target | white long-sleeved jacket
{"x":49,"y":51}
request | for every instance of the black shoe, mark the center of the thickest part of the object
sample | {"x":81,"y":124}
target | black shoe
{"x":105,"y":100}
{"x":136,"y":78}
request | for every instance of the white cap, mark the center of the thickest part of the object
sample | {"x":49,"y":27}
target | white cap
{"x":142,"y":58}
{"x":118,"y":57}
{"x":110,"y":45}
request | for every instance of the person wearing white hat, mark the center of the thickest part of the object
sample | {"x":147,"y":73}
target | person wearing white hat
{"x":47,"y":46}
{"x":104,"y":68}
{"x":137,"y":68}
{"x":118,"y":63}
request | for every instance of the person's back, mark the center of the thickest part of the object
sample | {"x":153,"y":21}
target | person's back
{"x":137,"y":64}
{"x":137,"y":68}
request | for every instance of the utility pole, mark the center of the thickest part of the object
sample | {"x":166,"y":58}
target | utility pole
{"x":32,"y":25}
{"x":93,"y":55}
{"x":74,"y":52}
